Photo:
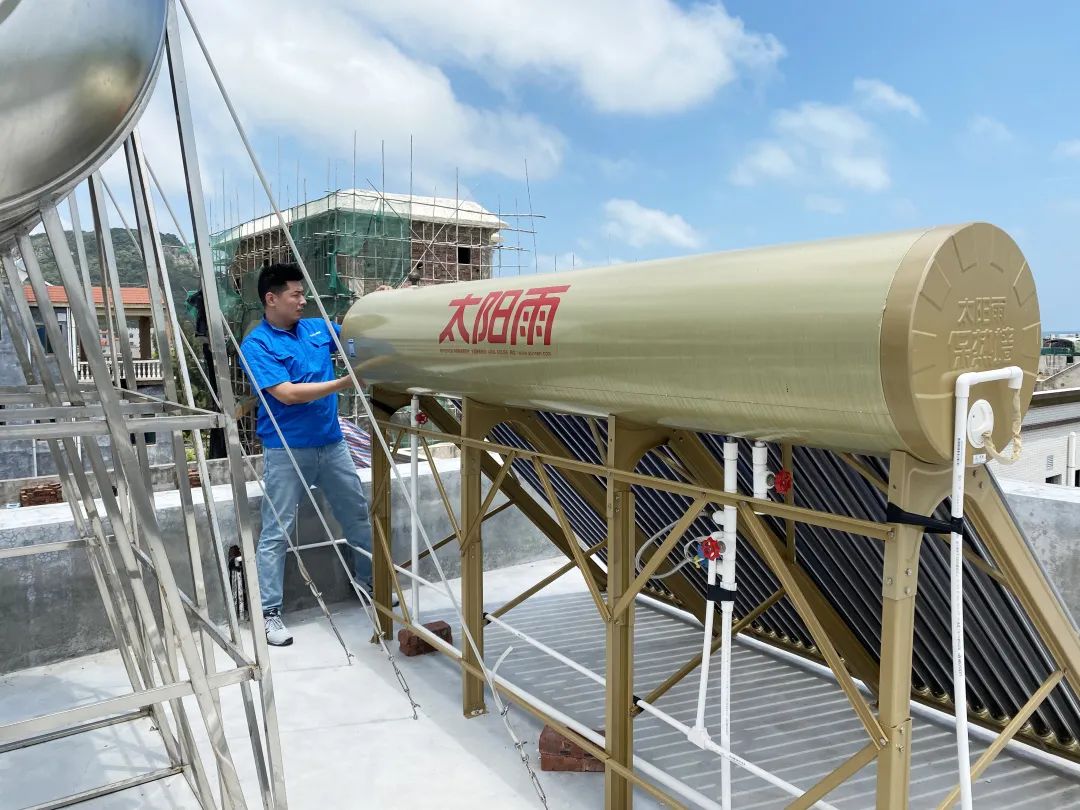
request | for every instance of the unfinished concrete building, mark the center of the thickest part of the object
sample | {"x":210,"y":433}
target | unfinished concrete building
{"x":352,"y":242}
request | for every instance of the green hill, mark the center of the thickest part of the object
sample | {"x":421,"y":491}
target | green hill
{"x":183,"y":272}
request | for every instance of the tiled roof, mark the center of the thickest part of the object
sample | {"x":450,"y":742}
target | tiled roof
{"x":131,"y":296}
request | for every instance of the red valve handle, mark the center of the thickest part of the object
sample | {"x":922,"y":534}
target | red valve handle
{"x":421,"y":418}
{"x":782,"y":482}
{"x":710,"y":549}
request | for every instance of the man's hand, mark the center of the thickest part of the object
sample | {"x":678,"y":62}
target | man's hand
{"x":290,"y":393}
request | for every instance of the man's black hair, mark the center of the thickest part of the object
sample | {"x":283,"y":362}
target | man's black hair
{"x":276,"y":277}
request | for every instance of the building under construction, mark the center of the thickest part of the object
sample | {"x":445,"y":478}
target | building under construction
{"x":352,"y":242}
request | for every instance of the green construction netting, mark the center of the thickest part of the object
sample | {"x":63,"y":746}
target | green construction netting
{"x":347,"y":253}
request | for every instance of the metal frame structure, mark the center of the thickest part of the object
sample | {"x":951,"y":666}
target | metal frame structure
{"x":125,"y":544}
{"x":879,"y":691}
{"x":172,"y":658}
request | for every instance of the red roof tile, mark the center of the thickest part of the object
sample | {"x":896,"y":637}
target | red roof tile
{"x":131,"y":296}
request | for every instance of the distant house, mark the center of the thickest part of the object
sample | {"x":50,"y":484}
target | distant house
{"x":1050,"y":433}
{"x":1058,"y":366}
{"x":21,"y":458}
{"x":136,"y":303}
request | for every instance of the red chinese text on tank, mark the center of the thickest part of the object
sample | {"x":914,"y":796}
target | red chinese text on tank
{"x":505,"y":316}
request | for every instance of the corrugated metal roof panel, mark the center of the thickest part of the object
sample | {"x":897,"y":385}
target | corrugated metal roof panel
{"x":784,"y":718}
{"x":1052,"y":413}
{"x":1006,"y":660}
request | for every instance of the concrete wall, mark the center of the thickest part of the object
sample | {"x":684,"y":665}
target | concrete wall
{"x":50,"y":608}
{"x":1050,"y":517}
{"x":1067,"y":376}
{"x":1051,"y":364}
{"x":162,"y":478}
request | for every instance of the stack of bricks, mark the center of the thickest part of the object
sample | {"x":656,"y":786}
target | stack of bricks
{"x":560,"y":754}
{"x":193,"y":479}
{"x":41,"y":494}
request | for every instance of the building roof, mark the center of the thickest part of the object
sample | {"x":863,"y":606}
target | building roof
{"x":58,"y":295}
{"x":442,"y":210}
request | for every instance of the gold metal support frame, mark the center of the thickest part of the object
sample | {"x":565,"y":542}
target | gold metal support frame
{"x":912,"y":485}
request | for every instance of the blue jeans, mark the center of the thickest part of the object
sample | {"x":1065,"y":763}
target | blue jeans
{"x":331,"y":469}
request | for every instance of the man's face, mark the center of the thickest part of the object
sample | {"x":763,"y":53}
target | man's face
{"x":288,"y":305}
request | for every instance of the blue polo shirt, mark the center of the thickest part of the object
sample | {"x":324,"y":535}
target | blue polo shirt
{"x":302,"y":354}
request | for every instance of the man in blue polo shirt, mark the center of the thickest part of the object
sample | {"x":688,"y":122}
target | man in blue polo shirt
{"x":291,"y":362}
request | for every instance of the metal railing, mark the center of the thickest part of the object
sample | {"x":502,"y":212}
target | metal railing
{"x":145,"y":371}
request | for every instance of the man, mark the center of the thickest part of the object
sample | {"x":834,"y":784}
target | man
{"x":291,"y":362}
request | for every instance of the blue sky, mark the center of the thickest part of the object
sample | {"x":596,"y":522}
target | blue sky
{"x":655,"y":128}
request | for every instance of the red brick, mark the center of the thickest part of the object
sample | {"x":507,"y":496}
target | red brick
{"x":410,"y":644}
{"x":554,"y":762}
{"x":560,"y":754}
{"x":41,"y":494}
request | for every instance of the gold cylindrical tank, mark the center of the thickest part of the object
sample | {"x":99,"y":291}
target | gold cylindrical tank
{"x":849,"y":344}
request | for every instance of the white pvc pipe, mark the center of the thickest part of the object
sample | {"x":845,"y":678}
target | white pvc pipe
{"x":414,"y":538}
{"x":645,"y":767}
{"x":761,"y":470}
{"x":727,"y":756}
{"x":558,"y":656}
{"x":641,"y":765}
{"x":648,"y":707}
{"x":724,"y":751}
{"x":728,"y":581}
{"x":1019,"y":750}
{"x":699,"y":735}
{"x":1070,"y":461}
{"x":964,"y":383}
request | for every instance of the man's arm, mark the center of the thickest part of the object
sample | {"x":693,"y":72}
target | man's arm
{"x":290,"y":393}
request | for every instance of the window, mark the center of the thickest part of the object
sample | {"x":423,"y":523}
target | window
{"x":44,"y":338}
{"x":464,"y":255}
{"x":1053,"y":479}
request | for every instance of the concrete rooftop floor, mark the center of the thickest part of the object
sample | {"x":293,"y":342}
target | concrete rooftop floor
{"x":349,"y":739}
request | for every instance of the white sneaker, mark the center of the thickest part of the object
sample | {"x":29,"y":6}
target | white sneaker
{"x":276,"y":634}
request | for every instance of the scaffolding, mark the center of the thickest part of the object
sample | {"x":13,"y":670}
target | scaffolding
{"x":353,"y":241}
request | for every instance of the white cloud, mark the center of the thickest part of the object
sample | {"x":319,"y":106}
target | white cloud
{"x":818,"y":143}
{"x":824,"y":205}
{"x":1068,"y":149}
{"x":824,"y":126}
{"x":641,"y":56}
{"x":766,"y":160}
{"x":866,"y":172}
{"x":316,"y":72}
{"x":985,"y":128}
{"x":631,"y":223}
{"x":875,"y":94}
